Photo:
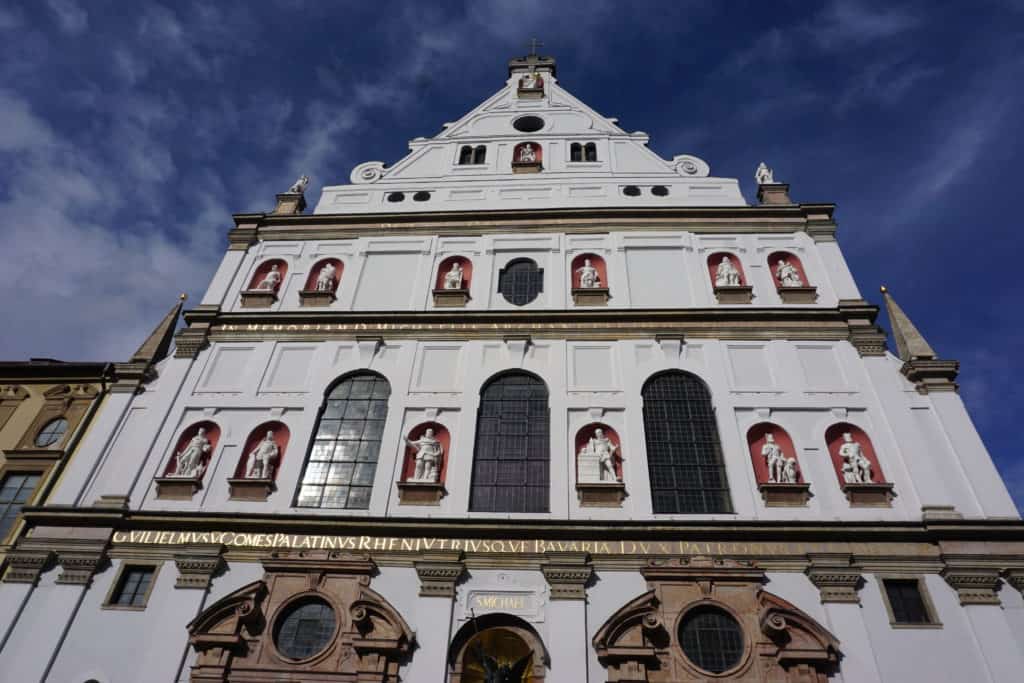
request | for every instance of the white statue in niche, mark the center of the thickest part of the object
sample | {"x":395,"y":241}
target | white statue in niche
{"x":599,"y":450}
{"x":527,"y":154}
{"x":774,"y":458}
{"x":531,"y":81}
{"x":325,"y":278}
{"x":726,"y":274}
{"x":188,"y":463}
{"x":429,"y":453}
{"x":856,"y":466}
{"x":589,"y":278}
{"x":790,"y":472}
{"x":764,"y":175}
{"x":787,"y":274}
{"x":299,"y":186}
{"x":453,"y":278}
{"x":263,"y":457}
{"x":271,"y":280}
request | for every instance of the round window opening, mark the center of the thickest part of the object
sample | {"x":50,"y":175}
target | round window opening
{"x":659,"y":191}
{"x":631,"y":191}
{"x":528,"y":124}
{"x":52,"y":432}
{"x":711,"y":639}
{"x":305,"y":629}
{"x":396,"y":196}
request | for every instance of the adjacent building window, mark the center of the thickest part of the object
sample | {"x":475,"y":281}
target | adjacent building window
{"x":305,"y":629}
{"x":908,"y":603}
{"x":684,"y":454}
{"x":343,"y":457}
{"x":52,"y":432}
{"x":16,"y":490}
{"x":511,"y":459}
{"x":712,"y":639}
{"x":521,"y":281}
{"x":132,"y":587}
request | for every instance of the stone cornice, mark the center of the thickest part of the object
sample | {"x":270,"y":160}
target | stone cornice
{"x":439,"y":572}
{"x":812,"y":218}
{"x":836,"y":576}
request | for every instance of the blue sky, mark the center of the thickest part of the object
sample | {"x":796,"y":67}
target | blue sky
{"x":130,"y":131}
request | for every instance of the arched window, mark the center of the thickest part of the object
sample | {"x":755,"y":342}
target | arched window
{"x":342,"y":459}
{"x":521,"y":281}
{"x":480,"y":154}
{"x":511,"y":459}
{"x":575,"y":152}
{"x":684,"y":454}
{"x":590,"y":152}
{"x":465,"y":155}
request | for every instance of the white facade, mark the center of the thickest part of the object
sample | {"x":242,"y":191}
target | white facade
{"x":802,"y":367}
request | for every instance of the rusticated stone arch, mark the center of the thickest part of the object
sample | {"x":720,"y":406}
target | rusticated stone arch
{"x":234,"y":637}
{"x":782,"y":644}
{"x":459,"y":652}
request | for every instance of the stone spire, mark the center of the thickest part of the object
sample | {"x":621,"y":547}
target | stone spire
{"x":158,"y":343}
{"x":920,"y":364}
{"x":910,"y":344}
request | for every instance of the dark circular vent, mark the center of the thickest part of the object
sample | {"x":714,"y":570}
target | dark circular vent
{"x":528,"y":124}
{"x":711,"y":639}
{"x":659,"y":191}
{"x":396,"y":197}
{"x":631,"y":191}
{"x":421,"y":196}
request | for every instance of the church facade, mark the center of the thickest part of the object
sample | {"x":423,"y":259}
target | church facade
{"x":531,"y":404}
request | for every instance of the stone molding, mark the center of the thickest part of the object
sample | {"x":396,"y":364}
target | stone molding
{"x":773,"y":193}
{"x":974,"y":583}
{"x":932,"y":375}
{"x":835,"y":576}
{"x":198,"y":565}
{"x":867,"y":337}
{"x":26,"y":566}
{"x":78,"y":567}
{"x":194,"y":338}
{"x":567,"y":574}
{"x":734,"y":294}
{"x":1015,"y":577}
{"x":439,"y":573}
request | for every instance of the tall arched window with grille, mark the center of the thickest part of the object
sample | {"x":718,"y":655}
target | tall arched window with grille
{"x":511,"y":458}
{"x":342,"y":458}
{"x":684,"y":453}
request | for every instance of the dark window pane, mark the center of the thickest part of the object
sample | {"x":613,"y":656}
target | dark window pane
{"x":521,"y":281}
{"x":711,"y":639}
{"x":683,"y":451}
{"x":906,"y":601}
{"x":133,"y":586}
{"x":342,"y":461}
{"x":15,"y":491}
{"x":305,"y":629}
{"x":512,"y":453}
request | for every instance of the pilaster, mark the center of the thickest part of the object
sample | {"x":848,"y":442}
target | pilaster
{"x":25,"y":566}
{"x":439,"y":573}
{"x":835,"y":576}
{"x":197,"y":565}
{"x":974,"y":583}
{"x":567,"y":574}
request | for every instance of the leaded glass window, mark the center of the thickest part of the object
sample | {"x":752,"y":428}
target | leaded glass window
{"x":52,"y":432}
{"x":684,"y":454}
{"x":906,"y":601}
{"x":511,"y":459}
{"x":305,"y":629}
{"x":343,"y":457}
{"x":521,"y":281}
{"x":133,"y":587}
{"x":16,"y":490}
{"x":711,"y":639}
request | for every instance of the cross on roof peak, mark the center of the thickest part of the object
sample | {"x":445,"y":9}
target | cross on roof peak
{"x":534,"y":44}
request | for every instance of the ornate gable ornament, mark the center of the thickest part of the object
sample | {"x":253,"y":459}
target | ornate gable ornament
{"x":643,"y":641}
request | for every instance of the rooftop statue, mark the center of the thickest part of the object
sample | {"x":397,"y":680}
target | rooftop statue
{"x":764,"y":175}
{"x":299,"y":186}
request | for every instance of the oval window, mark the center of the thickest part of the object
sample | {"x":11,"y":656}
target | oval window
{"x":528,"y":124}
{"x":712,"y":639}
{"x":631,"y":191}
{"x":659,"y":191}
{"x":305,"y":628}
{"x":52,"y":432}
{"x":396,"y":196}
{"x":421,"y":196}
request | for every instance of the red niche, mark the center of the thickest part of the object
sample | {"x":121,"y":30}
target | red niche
{"x":441,"y":434}
{"x":583,"y":436}
{"x":716,"y":259}
{"x":212,"y":435}
{"x":314,"y":273}
{"x":522,"y":153}
{"x":793,"y":259}
{"x":834,"y":439}
{"x":597,"y":262}
{"x":446,"y":265}
{"x":264,"y":269}
{"x":281,"y":436}
{"x":756,"y":440}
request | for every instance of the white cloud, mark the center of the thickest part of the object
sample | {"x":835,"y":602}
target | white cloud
{"x":71,"y":17}
{"x":21,"y":130}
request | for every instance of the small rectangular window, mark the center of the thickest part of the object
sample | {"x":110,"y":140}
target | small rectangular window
{"x":133,"y":586}
{"x":15,"y":491}
{"x":907,"y":604}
